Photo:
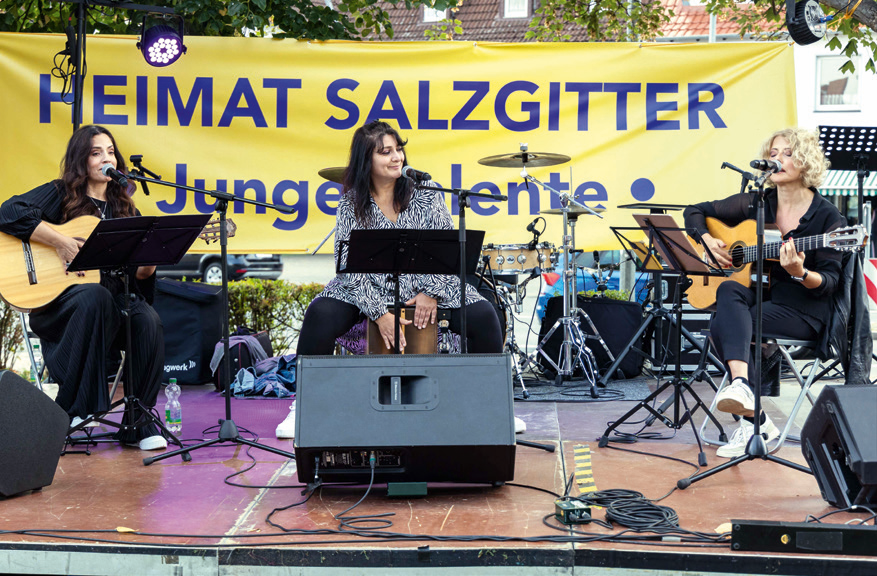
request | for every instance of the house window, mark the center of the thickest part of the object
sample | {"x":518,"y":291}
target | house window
{"x":515,"y":9}
{"x":433,"y":15}
{"x":836,"y":90}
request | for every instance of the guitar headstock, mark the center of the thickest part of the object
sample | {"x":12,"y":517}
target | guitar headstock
{"x":211,"y":230}
{"x":847,"y":239}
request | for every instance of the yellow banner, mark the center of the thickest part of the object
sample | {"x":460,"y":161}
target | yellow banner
{"x":259,"y":118}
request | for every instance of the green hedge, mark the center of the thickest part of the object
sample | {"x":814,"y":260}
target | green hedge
{"x":273,"y":305}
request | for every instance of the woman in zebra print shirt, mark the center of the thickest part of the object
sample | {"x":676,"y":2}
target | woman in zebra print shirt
{"x":376,"y":196}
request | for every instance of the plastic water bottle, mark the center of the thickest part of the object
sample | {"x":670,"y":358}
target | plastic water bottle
{"x":173,"y":411}
{"x":37,"y":367}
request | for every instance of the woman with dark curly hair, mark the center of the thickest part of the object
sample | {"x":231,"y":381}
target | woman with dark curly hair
{"x":80,"y":327}
{"x":797,"y":304}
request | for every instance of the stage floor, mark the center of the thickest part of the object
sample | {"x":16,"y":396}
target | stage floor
{"x":187,"y":519}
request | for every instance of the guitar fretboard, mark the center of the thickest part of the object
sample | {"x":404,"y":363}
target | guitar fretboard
{"x":772,"y":249}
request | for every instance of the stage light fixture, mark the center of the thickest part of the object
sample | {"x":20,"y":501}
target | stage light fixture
{"x":805,"y":21}
{"x":161,"y":45}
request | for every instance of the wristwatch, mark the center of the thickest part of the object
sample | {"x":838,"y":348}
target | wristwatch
{"x":801,"y":278}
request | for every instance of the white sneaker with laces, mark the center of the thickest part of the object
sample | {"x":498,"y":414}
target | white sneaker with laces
{"x":736,"y":446}
{"x":286,"y":429}
{"x":737,"y":398}
{"x":520,"y":426}
{"x":156,"y":442}
{"x":77,"y":421}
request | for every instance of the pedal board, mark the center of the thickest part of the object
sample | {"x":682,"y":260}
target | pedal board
{"x":803,"y":537}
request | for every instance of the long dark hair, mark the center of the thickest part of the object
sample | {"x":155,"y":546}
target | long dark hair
{"x":358,"y":175}
{"x":74,"y":178}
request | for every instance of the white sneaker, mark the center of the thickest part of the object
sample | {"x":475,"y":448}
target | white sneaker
{"x":736,"y":446}
{"x":737,"y":398}
{"x":520,"y":426}
{"x":286,"y":429}
{"x":156,"y":442}
{"x":77,"y":421}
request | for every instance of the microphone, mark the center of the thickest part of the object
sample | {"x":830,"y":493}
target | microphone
{"x":415,"y":175}
{"x":771,"y":166}
{"x":532,"y":225}
{"x":117,"y":176}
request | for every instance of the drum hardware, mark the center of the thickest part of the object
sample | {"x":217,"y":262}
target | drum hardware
{"x":574,"y":351}
{"x":520,"y":360}
{"x":517,"y":258}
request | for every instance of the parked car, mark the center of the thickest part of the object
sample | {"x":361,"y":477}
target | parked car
{"x":207,"y":267}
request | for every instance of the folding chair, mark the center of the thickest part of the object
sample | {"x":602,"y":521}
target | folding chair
{"x":805,"y":382}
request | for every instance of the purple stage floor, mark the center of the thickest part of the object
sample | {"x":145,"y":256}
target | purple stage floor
{"x":179,"y":512}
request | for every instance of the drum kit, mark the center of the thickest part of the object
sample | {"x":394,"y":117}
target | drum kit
{"x":501,"y":265}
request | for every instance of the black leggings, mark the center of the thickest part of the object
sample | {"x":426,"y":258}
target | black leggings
{"x":733,"y":326}
{"x":328,"y":318}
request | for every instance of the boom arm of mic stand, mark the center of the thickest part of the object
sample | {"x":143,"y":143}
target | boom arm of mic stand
{"x":214,"y":193}
{"x":562,"y":195}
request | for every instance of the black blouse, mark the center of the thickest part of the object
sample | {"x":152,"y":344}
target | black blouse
{"x":20,"y":215}
{"x":821,"y":217}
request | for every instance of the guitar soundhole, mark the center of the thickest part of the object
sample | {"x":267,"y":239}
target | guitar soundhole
{"x":737,"y":256}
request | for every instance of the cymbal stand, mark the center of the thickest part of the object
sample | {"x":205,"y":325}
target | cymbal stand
{"x":573,"y":352}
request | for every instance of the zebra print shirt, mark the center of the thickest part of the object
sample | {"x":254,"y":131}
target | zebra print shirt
{"x":372,"y":292}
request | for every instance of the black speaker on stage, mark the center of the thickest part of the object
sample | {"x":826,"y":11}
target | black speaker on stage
{"x":32,"y":433}
{"x":839,"y":441}
{"x":424,"y":418}
{"x":192,"y":316}
{"x":616,"y":321}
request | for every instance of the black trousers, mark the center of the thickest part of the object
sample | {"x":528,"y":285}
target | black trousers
{"x":733,"y":325}
{"x":79,"y":330}
{"x":328,"y":318}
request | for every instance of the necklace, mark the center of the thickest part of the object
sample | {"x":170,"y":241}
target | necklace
{"x":103,"y":215}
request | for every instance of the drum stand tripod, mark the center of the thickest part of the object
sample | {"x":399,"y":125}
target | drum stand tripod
{"x":574,"y":352}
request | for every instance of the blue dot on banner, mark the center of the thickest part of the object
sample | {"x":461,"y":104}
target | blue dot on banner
{"x":642,"y":189}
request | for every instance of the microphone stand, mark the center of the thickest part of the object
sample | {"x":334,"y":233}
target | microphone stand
{"x":463,"y":201}
{"x":228,"y":431}
{"x":757,"y":447}
{"x":746,"y":176}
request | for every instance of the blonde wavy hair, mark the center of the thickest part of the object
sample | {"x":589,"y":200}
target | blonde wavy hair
{"x":807,"y":155}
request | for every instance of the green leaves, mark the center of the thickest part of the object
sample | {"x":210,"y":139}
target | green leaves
{"x":300,"y":19}
{"x":272,"y":305}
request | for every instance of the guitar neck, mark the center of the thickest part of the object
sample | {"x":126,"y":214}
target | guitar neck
{"x":772,"y":249}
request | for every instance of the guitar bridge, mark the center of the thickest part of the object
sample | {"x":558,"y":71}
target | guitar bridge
{"x":28,"y":262}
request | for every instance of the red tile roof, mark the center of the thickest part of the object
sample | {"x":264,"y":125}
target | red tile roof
{"x":482,"y":20}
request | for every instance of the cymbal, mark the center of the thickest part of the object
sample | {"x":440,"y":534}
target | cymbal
{"x":334,"y":174}
{"x":573,"y":211}
{"x":535,"y":159}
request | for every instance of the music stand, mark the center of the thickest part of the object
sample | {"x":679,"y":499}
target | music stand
{"x":672,"y":243}
{"x":647,"y":255}
{"x":402,"y":251}
{"x":123,"y":244}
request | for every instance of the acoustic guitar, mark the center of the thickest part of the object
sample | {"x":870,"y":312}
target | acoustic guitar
{"x":33,"y":274}
{"x":740,"y":241}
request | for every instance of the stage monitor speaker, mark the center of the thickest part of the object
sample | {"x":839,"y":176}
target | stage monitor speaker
{"x":839,"y":440}
{"x":425,"y":418}
{"x":32,"y":433}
